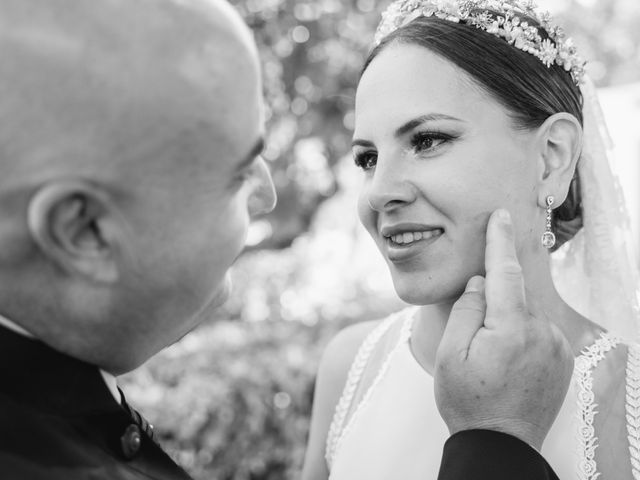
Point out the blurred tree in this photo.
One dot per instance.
(312, 52)
(606, 31)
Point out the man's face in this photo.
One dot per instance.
(203, 181)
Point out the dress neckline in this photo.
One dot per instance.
(601, 338)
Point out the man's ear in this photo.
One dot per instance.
(72, 222)
(560, 141)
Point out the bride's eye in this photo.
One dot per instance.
(365, 160)
(425, 141)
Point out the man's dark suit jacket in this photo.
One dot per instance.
(59, 421)
(484, 455)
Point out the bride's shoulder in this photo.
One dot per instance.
(344, 346)
(342, 349)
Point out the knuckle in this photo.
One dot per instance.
(470, 307)
(513, 307)
(510, 268)
(519, 307)
(471, 302)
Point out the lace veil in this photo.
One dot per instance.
(596, 272)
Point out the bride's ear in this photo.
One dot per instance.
(560, 144)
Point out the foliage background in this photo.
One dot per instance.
(232, 400)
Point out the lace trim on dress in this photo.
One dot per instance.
(633, 408)
(337, 430)
(583, 376)
(353, 378)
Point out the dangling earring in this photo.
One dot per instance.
(548, 238)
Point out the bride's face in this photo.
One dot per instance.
(439, 155)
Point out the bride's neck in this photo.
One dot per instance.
(542, 300)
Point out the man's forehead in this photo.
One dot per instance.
(101, 76)
(47, 40)
(133, 27)
(156, 42)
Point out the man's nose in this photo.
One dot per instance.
(263, 197)
(389, 187)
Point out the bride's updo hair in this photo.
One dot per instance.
(529, 90)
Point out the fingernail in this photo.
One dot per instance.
(503, 215)
(476, 284)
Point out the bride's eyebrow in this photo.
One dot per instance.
(410, 125)
(416, 122)
(361, 143)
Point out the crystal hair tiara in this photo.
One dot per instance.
(504, 19)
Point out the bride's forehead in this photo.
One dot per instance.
(406, 81)
(410, 73)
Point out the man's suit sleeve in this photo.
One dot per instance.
(485, 454)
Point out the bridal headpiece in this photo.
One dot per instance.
(504, 19)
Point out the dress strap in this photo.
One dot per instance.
(341, 423)
(585, 364)
(633, 407)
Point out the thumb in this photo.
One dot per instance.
(467, 317)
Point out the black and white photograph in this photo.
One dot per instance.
(319, 240)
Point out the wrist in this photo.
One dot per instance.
(530, 434)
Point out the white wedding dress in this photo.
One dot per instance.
(387, 426)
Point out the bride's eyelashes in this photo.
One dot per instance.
(426, 142)
(429, 141)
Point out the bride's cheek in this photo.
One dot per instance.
(366, 215)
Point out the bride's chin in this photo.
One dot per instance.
(419, 295)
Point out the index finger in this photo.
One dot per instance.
(504, 283)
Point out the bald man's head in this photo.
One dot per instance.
(73, 70)
(128, 168)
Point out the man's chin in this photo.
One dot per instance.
(209, 312)
(221, 295)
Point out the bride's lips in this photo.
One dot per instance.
(404, 241)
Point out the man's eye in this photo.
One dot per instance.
(365, 160)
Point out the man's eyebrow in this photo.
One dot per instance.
(416, 122)
(256, 150)
(407, 127)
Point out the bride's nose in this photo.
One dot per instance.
(390, 187)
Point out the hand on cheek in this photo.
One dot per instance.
(498, 367)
